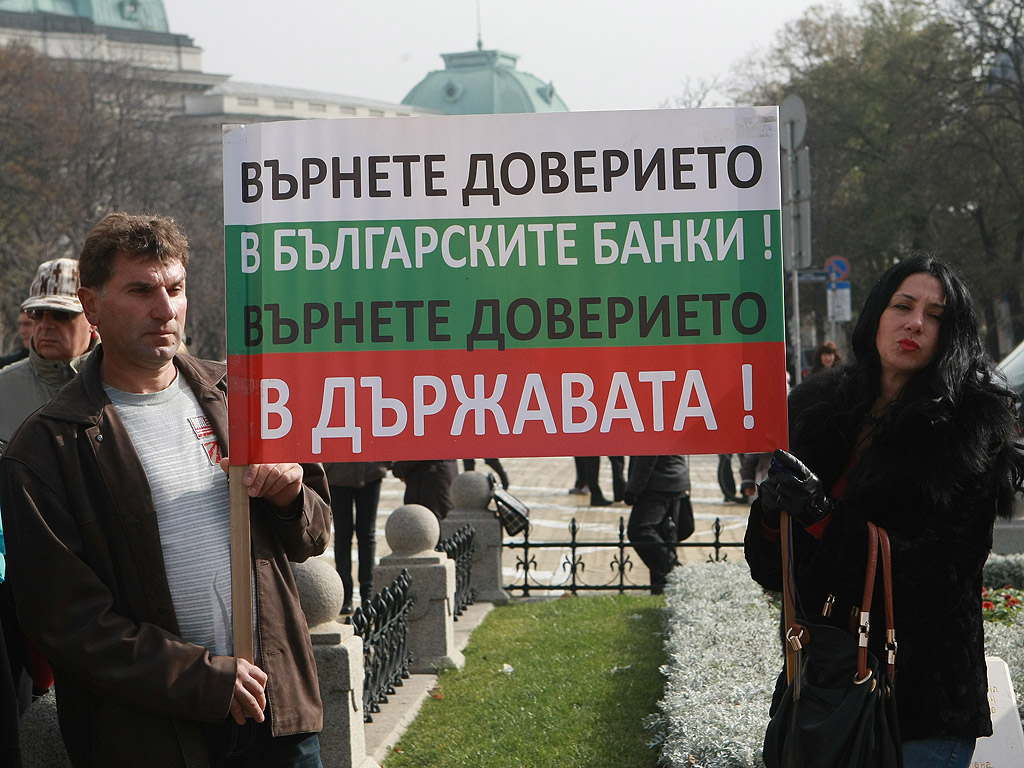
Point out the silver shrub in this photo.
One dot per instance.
(724, 654)
(722, 643)
(1003, 571)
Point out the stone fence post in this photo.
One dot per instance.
(412, 532)
(339, 661)
(471, 494)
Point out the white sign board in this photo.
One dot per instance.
(839, 306)
(560, 284)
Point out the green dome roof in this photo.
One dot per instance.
(483, 83)
(148, 15)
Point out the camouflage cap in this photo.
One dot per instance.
(55, 287)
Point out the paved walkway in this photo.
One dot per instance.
(543, 484)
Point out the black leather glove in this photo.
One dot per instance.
(793, 487)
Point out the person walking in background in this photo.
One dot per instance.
(25, 326)
(579, 486)
(655, 489)
(726, 479)
(116, 515)
(919, 436)
(825, 356)
(355, 496)
(618, 476)
(589, 467)
(428, 483)
(753, 469)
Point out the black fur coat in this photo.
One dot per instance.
(923, 481)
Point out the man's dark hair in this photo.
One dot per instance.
(145, 236)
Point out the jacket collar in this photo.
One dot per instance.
(55, 373)
(84, 399)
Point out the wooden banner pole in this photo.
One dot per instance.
(241, 566)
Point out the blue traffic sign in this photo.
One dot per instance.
(838, 267)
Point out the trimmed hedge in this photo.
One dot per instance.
(1004, 571)
(722, 644)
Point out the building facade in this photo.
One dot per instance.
(136, 32)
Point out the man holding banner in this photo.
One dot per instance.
(117, 512)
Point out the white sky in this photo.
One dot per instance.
(600, 54)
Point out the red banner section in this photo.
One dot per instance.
(438, 404)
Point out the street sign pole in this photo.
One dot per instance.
(794, 239)
(793, 116)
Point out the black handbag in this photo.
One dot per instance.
(838, 706)
(513, 514)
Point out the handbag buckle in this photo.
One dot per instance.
(863, 629)
(869, 676)
(795, 640)
(890, 646)
(826, 609)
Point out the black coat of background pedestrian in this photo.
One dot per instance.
(428, 483)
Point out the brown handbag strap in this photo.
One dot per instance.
(878, 549)
(890, 620)
(864, 623)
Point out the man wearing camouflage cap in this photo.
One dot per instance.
(62, 339)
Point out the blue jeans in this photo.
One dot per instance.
(942, 752)
(231, 745)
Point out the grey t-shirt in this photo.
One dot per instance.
(181, 454)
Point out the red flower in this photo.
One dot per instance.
(988, 605)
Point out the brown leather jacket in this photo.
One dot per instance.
(86, 567)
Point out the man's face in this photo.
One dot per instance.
(139, 313)
(60, 335)
(25, 326)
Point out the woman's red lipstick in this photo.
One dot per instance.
(909, 345)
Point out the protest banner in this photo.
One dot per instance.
(597, 283)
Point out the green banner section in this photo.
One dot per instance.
(629, 280)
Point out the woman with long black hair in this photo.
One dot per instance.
(918, 435)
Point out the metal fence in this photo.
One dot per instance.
(384, 627)
(575, 568)
(459, 547)
(384, 623)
